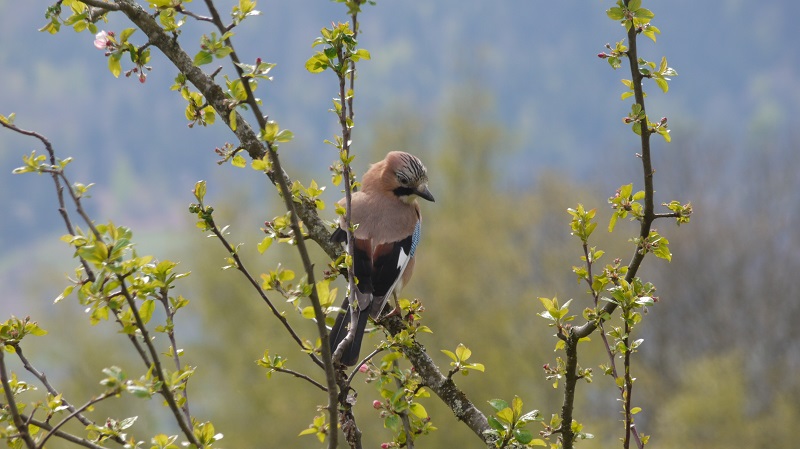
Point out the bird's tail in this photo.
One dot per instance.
(340, 330)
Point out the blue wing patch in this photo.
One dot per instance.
(415, 238)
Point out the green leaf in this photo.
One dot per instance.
(462, 352)
(64, 294)
(114, 65)
(264, 244)
(203, 57)
(612, 222)
(317, 63)
(662, 83)
(418, 410)
(506, 415)
(665, 134)
(237, 90)
(662, 252)
(125, 34)
(498, 404)
(615, 13)
(360, 54)
(232, 119)
(516, 406)
(392, 422)
(239, 161)
(199, 190)
(476, 367)
(524, 436)
(495, 424)
(284, 136)
(146, 310)
(270, 131)
(644, 13)
(308, 313)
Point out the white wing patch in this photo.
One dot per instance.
(402, 261)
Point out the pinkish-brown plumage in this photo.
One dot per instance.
(388, 228)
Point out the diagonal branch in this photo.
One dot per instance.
(75, 413)
(183, 422)
(442, 386)
(305, 211)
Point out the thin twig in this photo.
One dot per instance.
(196, 16)
(50, 389)
(362, 362)
(242, 269)
(163, 297)
(183, 423)
(301, 376)
(77, 412)
(61, 434)
(56, 174)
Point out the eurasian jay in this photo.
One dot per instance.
(386, 238)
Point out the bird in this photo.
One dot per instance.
(388, 230)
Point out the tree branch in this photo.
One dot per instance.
(242, 269)
(216, 98)
(301, 376)
(76, 413)
(184, 423)
(647, 166)
(61, 434)
(50, 389)
(445, 388)
(19, 423)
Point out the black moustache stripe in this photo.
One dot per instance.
(403, 191)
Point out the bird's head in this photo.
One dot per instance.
(403, 175)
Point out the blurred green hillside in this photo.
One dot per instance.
(517, 120)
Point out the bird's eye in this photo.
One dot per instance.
(402, 179)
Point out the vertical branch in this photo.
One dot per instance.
(19, 423)
(649, 214)
(647, 165)
(570, 382)
(626, 395)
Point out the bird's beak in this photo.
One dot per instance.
(424, 193)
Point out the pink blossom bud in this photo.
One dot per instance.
(363, 369)
(376, 404)
(385, 446)
(101, 40)
(602, 55)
